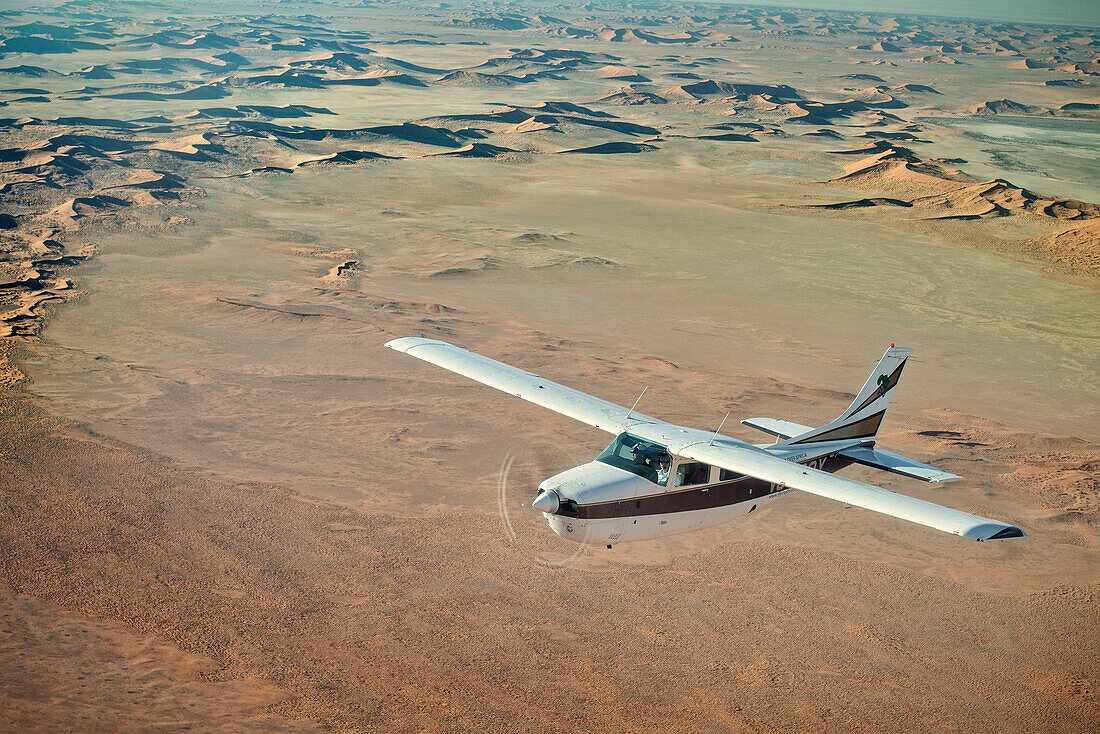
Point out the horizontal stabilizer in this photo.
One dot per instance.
(776, 427)
(896, 463)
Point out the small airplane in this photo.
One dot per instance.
(657, 479)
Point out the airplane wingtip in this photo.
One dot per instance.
(404, 343)
(992, 530)
(407, 343)
(1009, 532)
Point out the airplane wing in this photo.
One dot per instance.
(595, 412)
(736, 456)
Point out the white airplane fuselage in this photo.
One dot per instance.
(599, 504)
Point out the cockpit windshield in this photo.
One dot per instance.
(648, 460)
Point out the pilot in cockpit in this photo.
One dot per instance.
(641, 459)
(664, 463)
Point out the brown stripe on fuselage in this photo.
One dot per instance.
(702, 497)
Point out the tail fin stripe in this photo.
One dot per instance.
(863, 428)
(885, 385)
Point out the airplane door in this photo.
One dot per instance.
(625, 517)
(690, 484)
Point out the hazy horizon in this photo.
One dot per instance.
(1081, 13)
(1077, 13)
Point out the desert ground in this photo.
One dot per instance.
(224, 506)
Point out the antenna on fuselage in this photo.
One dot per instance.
(632, 407)
(711, 443)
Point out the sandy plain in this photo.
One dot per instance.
(226, 507)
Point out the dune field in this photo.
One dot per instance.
(225, 507)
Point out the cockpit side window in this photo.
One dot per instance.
(648, 460)
(691, 473)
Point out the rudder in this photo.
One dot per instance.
(863, 417)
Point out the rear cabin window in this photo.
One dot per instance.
(692, 473)
(637, 456)
(725, 475)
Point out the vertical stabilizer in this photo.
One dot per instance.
(861, 421)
